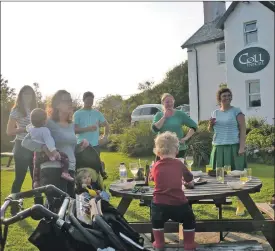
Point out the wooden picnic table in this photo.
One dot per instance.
(211, 190)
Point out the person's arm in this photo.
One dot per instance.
(187, 175)
(48, 140)
(158, 122)
(187, 121)
(12, 128)
(242, 128)
(103, 122)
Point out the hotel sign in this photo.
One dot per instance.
(251, 60)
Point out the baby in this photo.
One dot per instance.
(41, 134)
(90, 189)
(169, 201)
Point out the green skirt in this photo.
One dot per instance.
(222, 155)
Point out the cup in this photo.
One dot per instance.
(227, 169)
(249, 173)
(220, 174)
(243, 176)
(208, 168)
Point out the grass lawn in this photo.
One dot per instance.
(19, 233)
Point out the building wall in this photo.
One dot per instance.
(234, 41)
(211, 75)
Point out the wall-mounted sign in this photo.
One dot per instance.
(251, 60)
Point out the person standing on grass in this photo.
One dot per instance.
(173, 120)
(18, 120)
(228, 124)
(88, 122)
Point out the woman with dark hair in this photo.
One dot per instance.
(60, 124)
(228, 123)
(18, 120)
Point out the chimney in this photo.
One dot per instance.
(213, 9)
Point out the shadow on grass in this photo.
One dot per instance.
(133, 215)
(26, 226)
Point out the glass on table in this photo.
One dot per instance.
(227, 169)
(243, 176)
(249, 173)
(189, 160)
(134, 169)
(208, 168)
(220, 174)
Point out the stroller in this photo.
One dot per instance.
(64, 229)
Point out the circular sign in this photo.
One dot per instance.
(251, 60)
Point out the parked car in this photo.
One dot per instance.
(185, 108)
(145, 113)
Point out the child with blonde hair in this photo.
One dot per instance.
(169, 201)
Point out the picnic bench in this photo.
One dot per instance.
(9, 155)
(266, 209)
(211, 190)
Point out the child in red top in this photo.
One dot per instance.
(169, 201)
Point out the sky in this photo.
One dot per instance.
(103, 47)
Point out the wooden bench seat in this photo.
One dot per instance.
(267, 209)
(9, 155)
(228, 246)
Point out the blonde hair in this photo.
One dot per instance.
(166, 143)
(165, 95)
(80, 175)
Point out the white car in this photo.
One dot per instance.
(185, 108)
(145, 113)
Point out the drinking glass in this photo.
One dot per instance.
(208, 168)
(189, 161)
(134, 168)
(227, 169)
(220, 174)
(243, 176)
(249, 173)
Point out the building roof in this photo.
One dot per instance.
(220, 25)
(207, 33)
(213, 31)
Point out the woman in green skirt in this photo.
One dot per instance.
(228, 123)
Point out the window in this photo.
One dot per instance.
(221, 53)
(250, 32)
(254, 95)
(136, 112)
(154, 110)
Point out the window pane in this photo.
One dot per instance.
(221, 57)
(254, 87)
(250, 26)
(251, 37)
(254, 100)
(146, 111)
(136, 112)
(154, 110)
(222, 47)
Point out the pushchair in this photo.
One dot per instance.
(64, 231)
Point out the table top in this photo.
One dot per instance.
(211, 190)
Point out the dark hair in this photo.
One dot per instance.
(38, 117)
(220, 92)
(88, 94)
(52, 110)
(19, 103)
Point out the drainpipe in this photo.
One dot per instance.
(198, 84)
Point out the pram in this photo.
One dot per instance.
(63, 231)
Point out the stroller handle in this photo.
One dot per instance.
(49, 189)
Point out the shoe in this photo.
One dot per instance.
(189, 243)
(104, 175)
(67, 176)
(240, 208)
(159, 243)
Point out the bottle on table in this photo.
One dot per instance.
(122, 172)
(147, 171)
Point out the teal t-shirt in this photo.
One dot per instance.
(84, 118)
(226, 128)
(175, 123)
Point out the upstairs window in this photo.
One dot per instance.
(221, 53)
(250, 32)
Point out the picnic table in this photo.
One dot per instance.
(211, 190)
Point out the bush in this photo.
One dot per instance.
(137, 141)
(114, 142)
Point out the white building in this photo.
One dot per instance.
(236, 47)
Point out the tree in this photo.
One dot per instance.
(40, 102)
(7, 100)
(147, 85)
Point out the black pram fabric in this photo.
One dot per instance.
(87, 158)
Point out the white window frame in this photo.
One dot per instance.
(219, 52)
(247, 32)
(248, 82)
